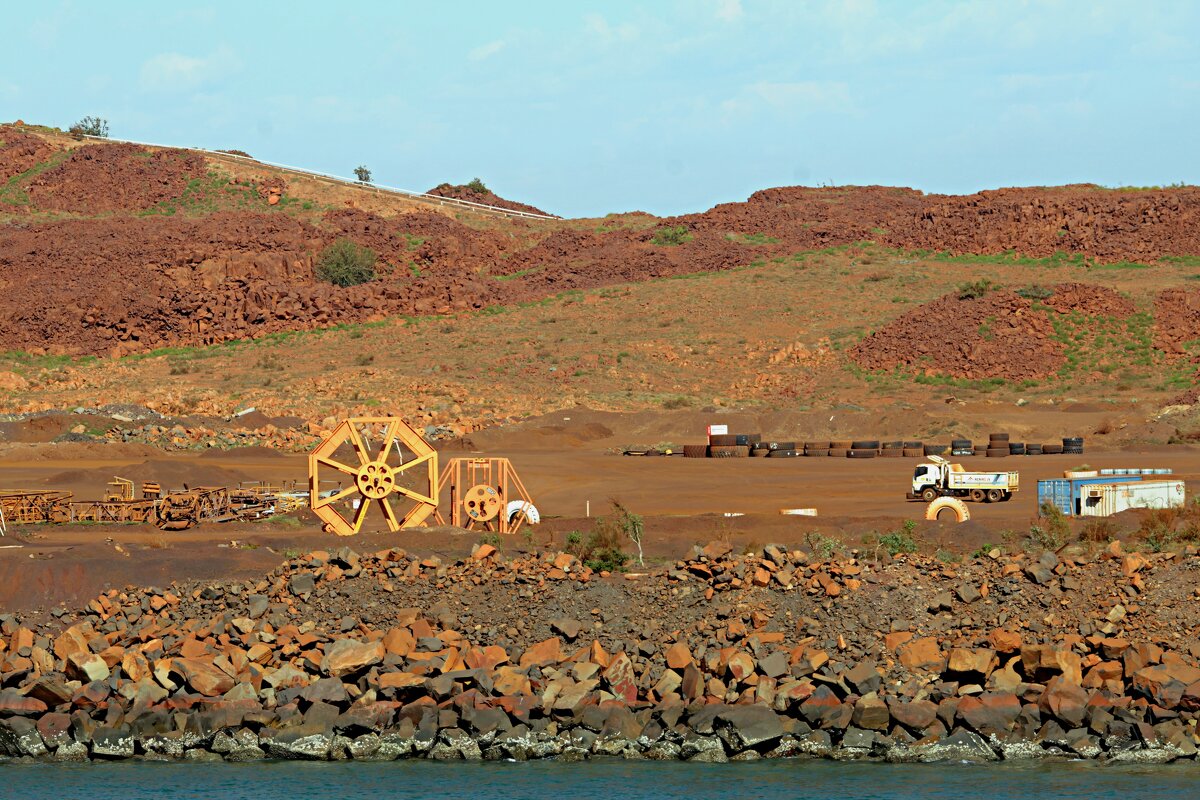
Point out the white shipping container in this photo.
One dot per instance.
(718, 430)
(1106, 499)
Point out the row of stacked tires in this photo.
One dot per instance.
(747, 445)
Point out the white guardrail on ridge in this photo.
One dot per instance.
(422, 196)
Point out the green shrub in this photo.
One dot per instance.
(362, 173)
(974, 289)
(900, 541)
(90, 126)
(345, 263)
(1036, 292)
(671, 236)
(477, 186)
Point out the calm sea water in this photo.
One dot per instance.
(787, 780)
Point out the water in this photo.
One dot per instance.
(610, 780)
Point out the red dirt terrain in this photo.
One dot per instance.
(21, 151)
(486, 197)
(1000, 335)
(114, 177)
(235, 271)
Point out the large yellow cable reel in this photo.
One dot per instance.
(376, 477)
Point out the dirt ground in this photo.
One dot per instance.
(571, 465)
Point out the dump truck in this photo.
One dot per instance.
(939, 478)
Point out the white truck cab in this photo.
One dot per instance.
(939, 478)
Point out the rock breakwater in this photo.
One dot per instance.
(767, 654)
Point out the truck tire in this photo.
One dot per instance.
(976, 495)
(1051, 449)
(1007, 497)
(1016, 448)
(865, 444)
(935, 449)
(891, 452)
(695, 451)
(913, 445)
(723, 440)
(913, 452)
(840, 444)
(728, 451)
(816, 445)
(994, 495)
(814, 453)
(760, 452)
(997, 452)
(998, 437)
(944, 506)
(893, 445)
(837, 452)
(861, 453)
(789, 453)
(752, 438)
(929, 494)
(961, 444)
(1033, 449)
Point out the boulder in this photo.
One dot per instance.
(748, 726)
(1065, 700)
(348, 656)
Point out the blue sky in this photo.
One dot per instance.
(669, 107)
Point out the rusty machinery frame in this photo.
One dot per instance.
(480, 491)
(374, 478)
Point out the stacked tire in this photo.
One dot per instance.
(1073, 445)
(1033, 449)
(914, 449)
(892, 450)
(864, 448)
(1016, 448)
(935, 449)
(816, 449)
(695, 451)
(839, 448)
(1051, 449)
(728, 451)
(997, 445)
(961, 447)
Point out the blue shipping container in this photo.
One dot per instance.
(1065, 495)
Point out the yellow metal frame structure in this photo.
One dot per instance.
(480, 490)
(374, 478)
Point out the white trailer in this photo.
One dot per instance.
(940, 478)
(1106, 499)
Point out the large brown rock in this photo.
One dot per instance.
(620, 679)
(1165, 684)
(542, 654)
(87, 667)
(916, 715)
(991, 713)
(1065, 700)
(977, 663)
(203, 676)
(347, 656)
(923, 655)
(871, 713)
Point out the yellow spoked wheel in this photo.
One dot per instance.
(385, 462)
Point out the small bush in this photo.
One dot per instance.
(362, 173)
(671, 236)
(345, 263)
(974, 289)
(90, 126)
(1054, 534)
(1099, 529)
(673, 403)
(1035, 292)
(901, 541)
(477, 186)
